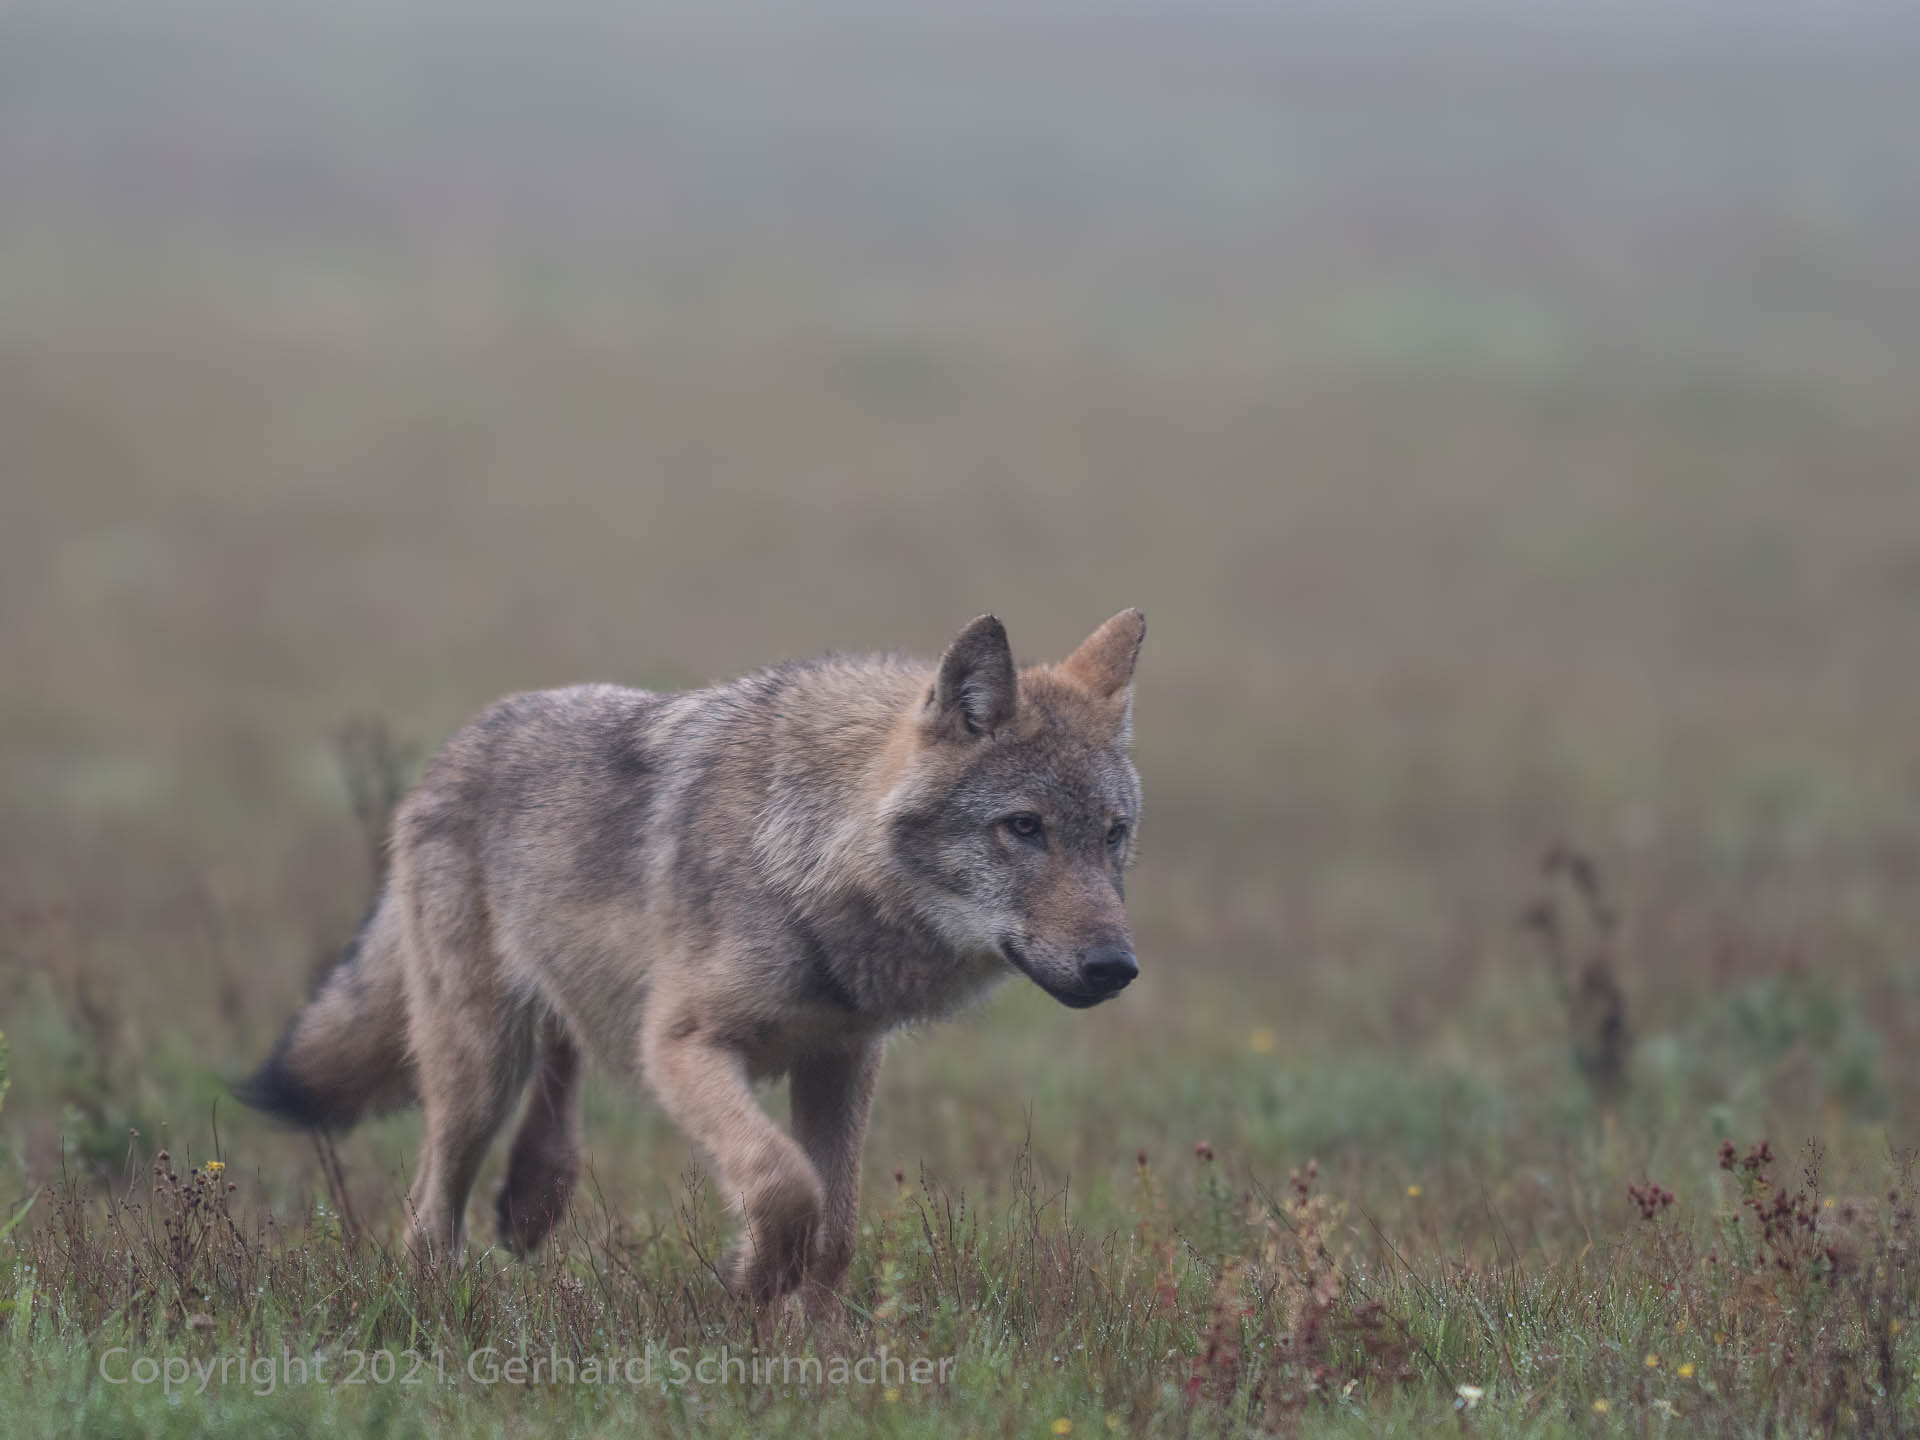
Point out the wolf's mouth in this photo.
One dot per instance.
(1072, 999)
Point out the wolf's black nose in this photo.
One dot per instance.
(1109, 968)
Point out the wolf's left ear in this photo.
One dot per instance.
(977, 690)
(1104, 662)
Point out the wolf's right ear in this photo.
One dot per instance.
(976, 691)
(1104, 662)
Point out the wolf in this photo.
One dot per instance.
(714, 888)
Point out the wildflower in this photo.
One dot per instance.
(1262, 1040)
(1471, 1394)
(1685, 1372)
(214, 1167)
(1063, 1426)
(1113, 1422)
(1893, 1326)
(1651, 1198)
(1828, 1202)
(1203, 1149)
(1680, 1326)
(1653, 1362)
(891, 1395)
(1413, 1192)
(1601, 1406)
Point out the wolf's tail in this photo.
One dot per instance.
(344, 1055)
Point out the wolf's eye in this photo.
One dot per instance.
(1026, 825)
(1116, 834)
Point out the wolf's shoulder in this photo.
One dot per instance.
(826, 683)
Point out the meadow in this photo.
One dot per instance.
(1514, 453)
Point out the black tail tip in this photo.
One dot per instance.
(275, 1090)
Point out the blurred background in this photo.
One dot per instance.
(1504, 412)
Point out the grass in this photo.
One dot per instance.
(1187, 1296)
(1275, 1225)
(1340, 902)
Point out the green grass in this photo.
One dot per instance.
(1185, 1287)
(1086, 1237)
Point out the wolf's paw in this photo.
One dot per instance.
(825, 1314)
(433, 1244)
(530, 1201)
(777, 1243)
(521, 1222)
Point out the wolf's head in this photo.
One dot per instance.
(1016, 819)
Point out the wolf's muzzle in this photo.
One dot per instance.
(1108, 969)
(1099, 974)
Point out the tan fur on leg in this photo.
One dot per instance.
(763, 1174)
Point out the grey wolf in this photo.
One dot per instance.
(708, 889)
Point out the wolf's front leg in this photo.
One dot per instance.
(832, 1095)
(766, 1178)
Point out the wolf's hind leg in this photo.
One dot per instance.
(473, 1060)
(545, 1160)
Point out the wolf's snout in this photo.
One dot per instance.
(1109, 969)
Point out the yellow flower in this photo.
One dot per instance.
(1262, 1040)
(1063, 1426)
(892, 1395)
(1893, 1326)
(1413, 1192)
(1113, 1422)
(1601, 1407)
(1653, 1362)
(214, 1167)
(1685, 1372)
(1719, 1337)
(1680, 1326)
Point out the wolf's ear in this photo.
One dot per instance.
(977, 690)
(1104, 662)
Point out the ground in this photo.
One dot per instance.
(1528, 1036)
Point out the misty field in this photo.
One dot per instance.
(1512, 445)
